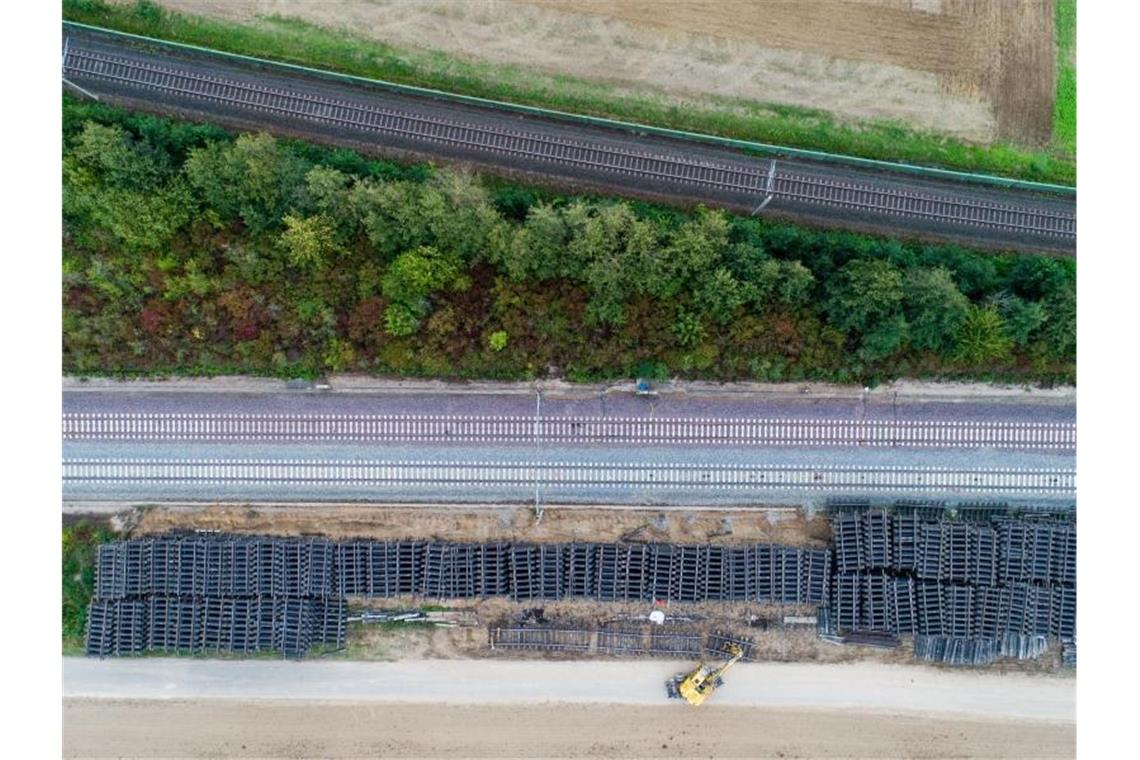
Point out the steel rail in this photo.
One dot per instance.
(154, 426)
(560, 475)
(788, 186)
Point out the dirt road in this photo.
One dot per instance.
(195, 708)
(225, 728)
(862, 686)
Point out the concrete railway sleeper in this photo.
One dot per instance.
(81, 426)
(759, 182)
(558, 475)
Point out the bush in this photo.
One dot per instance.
(497, 340)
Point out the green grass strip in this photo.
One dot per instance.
(1065, 104)
(749, 125)
(80, 545)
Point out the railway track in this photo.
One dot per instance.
(1054, 481)
(362, 428)
(763, 182)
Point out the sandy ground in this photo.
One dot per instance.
(224, 728)
(457, 523)
(976, 69)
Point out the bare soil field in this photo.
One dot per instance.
(295, 729)
(979, 70)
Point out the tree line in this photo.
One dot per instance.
(187, 249)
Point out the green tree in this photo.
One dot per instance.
(975, 275)
(934, 307)
(308, 241)
(719, 296)
(796, 284)
(412, 277)
(1022, 318)
(339, 355)
(982, 339)
(1035, 277)
(687, 329)
(695, 248)
(124, 187)
(327, 192)
(252, 178)
(458, 211)
(606, 244)
(1060, 329)
(538, 249)
(864, 293)
(414, 274)
(117, 159)
(886, 337)
(400, 320)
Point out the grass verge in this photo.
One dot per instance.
(1065, 104)
(80, 544)
(298, 42)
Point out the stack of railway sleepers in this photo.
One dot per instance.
(875, 608)
(191, 593)
(951, 650)
(847, 532)
(995, 575)
(1021, 647)
(903, 607)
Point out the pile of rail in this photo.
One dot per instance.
(219, 592)
(603, 572)
(1005, 581)
(208, 565)
(193, 594)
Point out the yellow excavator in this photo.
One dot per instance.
(696, 686)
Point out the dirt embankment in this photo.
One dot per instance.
(508, 523)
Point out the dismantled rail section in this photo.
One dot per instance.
(176, 79)
(618, 639)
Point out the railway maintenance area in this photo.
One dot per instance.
(967, 585)
(945, 530)
(828, 489)
(258, 94)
